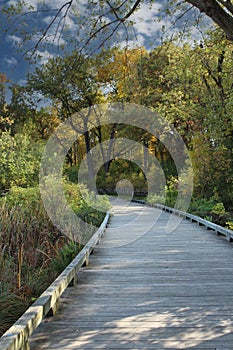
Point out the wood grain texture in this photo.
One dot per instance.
(147, 289)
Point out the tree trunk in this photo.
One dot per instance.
(219, 15)
(110, 147)
(89, 158)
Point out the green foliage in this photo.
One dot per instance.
(218, 209)
(171, 191)
(201, 206)
(86, 204)
(208, 218)
(229, 225)
(72, 174)
(211, 209)
(29, 198)
(168, 195)
(121, 169)
(64, 256)
(156, 199)
(19, 162)
(61, 81)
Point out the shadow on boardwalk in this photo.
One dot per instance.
(147, 289)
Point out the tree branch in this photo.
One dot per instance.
(228, 4)
(68, 4)
(215, 11)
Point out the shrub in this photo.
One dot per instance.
(19, 161)
(201, 206)
(218, 209)
(171, 191)
(72, 174)
(156, 199)
(229, 225)
(64, 256)
(32, 251)
(211, 210)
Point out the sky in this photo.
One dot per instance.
(145, 31)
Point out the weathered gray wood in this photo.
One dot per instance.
(158, 291)
(207, 224)
(16, 338)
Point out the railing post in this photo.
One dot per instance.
(74, 281)
(87, 259)
(52, 312)
(26, 346)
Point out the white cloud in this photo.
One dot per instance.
(12, 2)
(10, 61)
(29, 3)
(147, 27)
(48, 19)
(22, 82)
(53, 4)
(74, 28)
(65, 19)
(146, 19)
(44, 56)
(134, 39)
(138, 41)
(52, 38)
(35, 4)
(14, 40)
(149, 22)
(55, 40)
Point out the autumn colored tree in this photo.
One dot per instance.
(193, 90)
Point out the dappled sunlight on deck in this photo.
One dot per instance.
(147, 290)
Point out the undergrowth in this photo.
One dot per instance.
(32, 250)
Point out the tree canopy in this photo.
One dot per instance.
(89, 26)
(189, 86)
(186, 84)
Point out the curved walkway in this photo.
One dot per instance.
(147, 289)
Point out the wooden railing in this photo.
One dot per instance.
(16, 338)
(219, 230)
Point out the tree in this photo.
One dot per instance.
(191, 87)
(196, 96)
(220, 11)
(118, 72)
(71, 90)
(20, 160)
(6, 119)
(105, 19)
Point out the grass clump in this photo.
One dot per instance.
(33, 252)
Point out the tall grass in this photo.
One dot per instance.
(28, 243)
(32, 251)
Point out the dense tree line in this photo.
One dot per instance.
(190, 86)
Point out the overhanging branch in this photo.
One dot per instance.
(217, 13)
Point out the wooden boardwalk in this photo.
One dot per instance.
(147, 289)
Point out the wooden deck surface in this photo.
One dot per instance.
(147, 289)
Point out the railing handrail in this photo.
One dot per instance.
(194, 218)
(16, 337)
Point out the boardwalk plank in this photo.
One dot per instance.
(152, 290)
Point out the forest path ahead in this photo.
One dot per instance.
(147, 289)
